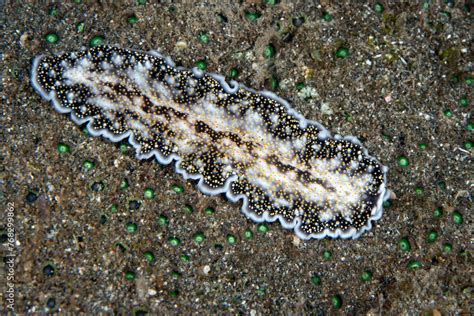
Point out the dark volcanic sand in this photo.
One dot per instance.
(405, 89)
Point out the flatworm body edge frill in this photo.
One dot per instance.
(251, 146)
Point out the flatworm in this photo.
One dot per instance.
(251, 146)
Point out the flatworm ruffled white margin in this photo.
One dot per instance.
(231, 88)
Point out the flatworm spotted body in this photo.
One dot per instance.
(251, 146)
